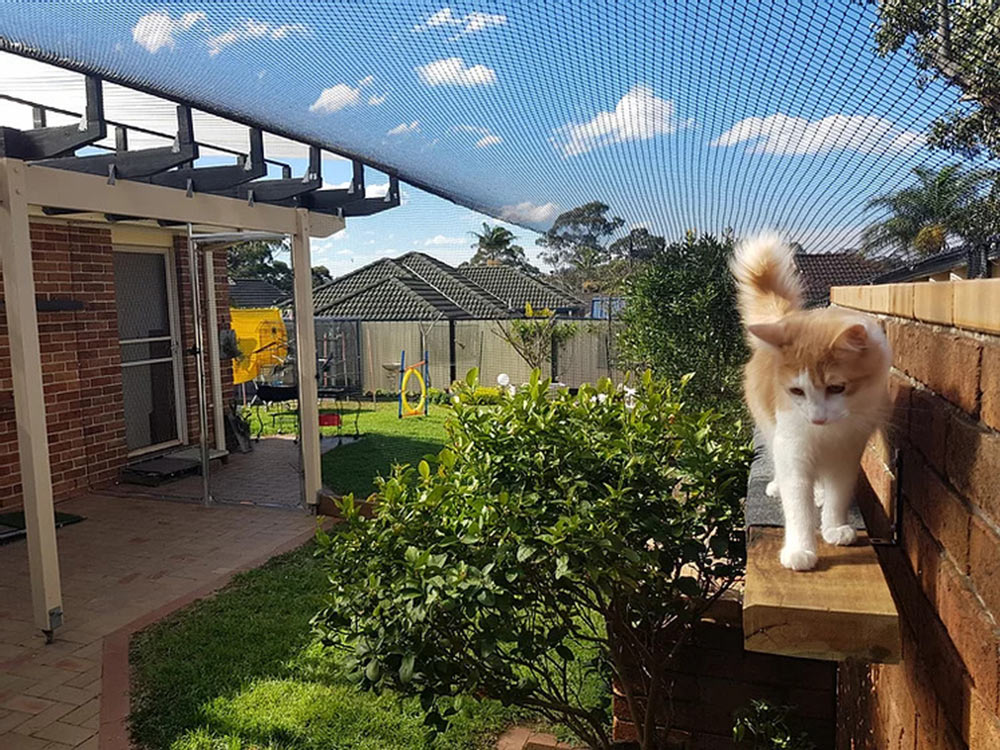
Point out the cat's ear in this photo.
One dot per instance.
(774, 334)
(852, 339)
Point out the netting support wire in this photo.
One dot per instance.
(215, 371)
(198, 350)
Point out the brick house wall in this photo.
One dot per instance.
(713, 677)
(941, 454)
(81, 361)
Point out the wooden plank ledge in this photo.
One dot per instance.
(840, 610)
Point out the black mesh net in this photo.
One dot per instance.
(679, 115)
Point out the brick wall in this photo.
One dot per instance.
(81, 365)
(941, 454)
(713, 677)
(81, 361)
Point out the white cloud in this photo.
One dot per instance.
(159, 29)
(376, 99)
(339, 236)
(529, 212)
(638, 116)
(403, 128)
(250, 28)
(366, 81)
(469, 23)
(156, 30)
(454, 71)
(336, 97)
(781, 134)
(345, 251)
(486, 136)
(440, 239)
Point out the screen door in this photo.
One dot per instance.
(144, 294)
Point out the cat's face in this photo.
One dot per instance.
(825, 365)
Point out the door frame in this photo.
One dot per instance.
(176, 353)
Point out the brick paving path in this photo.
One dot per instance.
(131, 556)
(269, 475)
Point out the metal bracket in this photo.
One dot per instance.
(896, 522)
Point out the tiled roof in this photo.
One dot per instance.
(363, 277)
(820, 271)
(394, 298)
(478, 302)
(253, 293)
(514, 287)
(416, 286)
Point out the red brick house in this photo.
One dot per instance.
(114, 321)
(114, 293)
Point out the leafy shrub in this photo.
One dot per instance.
(480, 395)
(680, 316)
(762, 726)
(555, 537)
(438, 396)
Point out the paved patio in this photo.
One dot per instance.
(131, 557)
(270, 475)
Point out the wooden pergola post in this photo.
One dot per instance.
(305, 358)
(29, 397)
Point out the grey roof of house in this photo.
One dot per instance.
(253, 293)
(472, 297)
(820, 271)
(394, 298)
(515, 287)
(325, 295)
(416, 286)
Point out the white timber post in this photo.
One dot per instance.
(305, 358)
(29, 397)
(214, 362)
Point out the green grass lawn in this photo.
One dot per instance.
(242, 671)
(387, 440)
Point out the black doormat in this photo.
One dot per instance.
(12, 524)
(156, 471)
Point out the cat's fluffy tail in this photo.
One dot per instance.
(767, 281)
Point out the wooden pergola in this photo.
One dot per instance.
(41, 173)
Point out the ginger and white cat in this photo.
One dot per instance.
(817, 386)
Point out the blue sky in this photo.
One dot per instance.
(679, 115)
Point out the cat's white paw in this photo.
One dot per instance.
(798, 559)
(839, 535)
(819, 493)
(772, 488)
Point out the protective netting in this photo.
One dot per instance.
(682, 115)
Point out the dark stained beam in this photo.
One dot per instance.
(217, 179)
(49, 142)
(369, 206)
(126, 164)
(286, 188)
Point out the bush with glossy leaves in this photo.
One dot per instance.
(557, 535)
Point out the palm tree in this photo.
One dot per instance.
(923, 217)
(495, 246)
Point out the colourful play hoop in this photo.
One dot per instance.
(409, 410)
